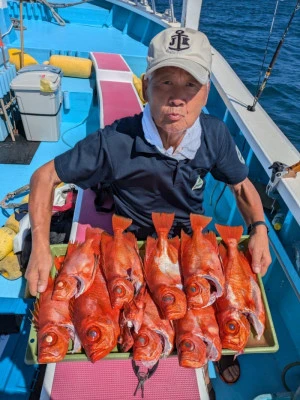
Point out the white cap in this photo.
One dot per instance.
(184, 48)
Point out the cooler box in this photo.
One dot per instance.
(38, 93)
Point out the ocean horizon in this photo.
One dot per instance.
(240, 32)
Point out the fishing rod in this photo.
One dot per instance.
(269, 70)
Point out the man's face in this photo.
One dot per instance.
(175, 98)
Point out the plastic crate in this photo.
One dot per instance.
(267, 344)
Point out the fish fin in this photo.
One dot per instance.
(211, 236)
(93, 233)
(150, 247)
(175, 242)
(58, 262)
(120, 223)
(71, 248)
(230, 232)
(185, 238)
(105, 239)
(199, 221)
(131, 238)
(35, 314)
(222, 252)
(163, 221)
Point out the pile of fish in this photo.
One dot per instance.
(188, 294)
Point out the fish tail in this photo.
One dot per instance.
(163, 221)
(230, 232)
(120, 223)
(199, 221)
(93, 233)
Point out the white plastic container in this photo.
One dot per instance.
(39, 97)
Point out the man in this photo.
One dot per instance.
(155, 161)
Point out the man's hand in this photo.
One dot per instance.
(42, 185)
(37, 272)
(259, 249)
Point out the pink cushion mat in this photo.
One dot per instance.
(119, 100)
(111, 62)
(115, 380)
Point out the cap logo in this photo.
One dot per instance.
(180, 41)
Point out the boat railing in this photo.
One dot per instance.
(150, 6)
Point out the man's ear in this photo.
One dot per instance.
(144, 87)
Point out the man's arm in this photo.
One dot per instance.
(42, 185)
(250, 206)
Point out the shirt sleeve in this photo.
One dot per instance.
(87, 164)
(230, 165)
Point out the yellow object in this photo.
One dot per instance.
(15, 58)
(10, 267)
(12, 223)
(25, 199)
(139, 87)
(75, 67)
(6, 241)
(45, 85)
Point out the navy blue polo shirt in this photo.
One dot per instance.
(144, 180)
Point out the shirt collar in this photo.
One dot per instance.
(188, 146)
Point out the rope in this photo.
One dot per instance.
(56, 16)
(10, 195)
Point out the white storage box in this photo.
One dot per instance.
(38, 92)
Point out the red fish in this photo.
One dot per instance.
(197, 338)
(54, 327)
(161, 266)
(131, 319)
(155, 338)
(122, 264)
(201, 265)
(96, 323)
(241, 303)
(78, 271)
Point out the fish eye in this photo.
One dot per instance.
(93, 334)
(232, 326)
(60, 284)
(187, 345)
(168, 298)
(119, 291)
(50, 338)
(193, 289)
(142, 340)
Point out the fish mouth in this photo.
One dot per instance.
(234, 331)
(121, 291)
(191, 352)
(147, 346)
(172, 302)
(64, 288)
(200, 292)
(98, 339)
(53, 344)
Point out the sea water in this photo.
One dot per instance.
(239, 30)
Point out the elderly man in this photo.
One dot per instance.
(155, 161)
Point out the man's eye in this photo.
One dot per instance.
(167, 83)
(193, 85)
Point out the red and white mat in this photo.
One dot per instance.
(115, 380)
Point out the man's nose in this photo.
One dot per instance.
(177, 97)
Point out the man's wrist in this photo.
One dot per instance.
(254, 225)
